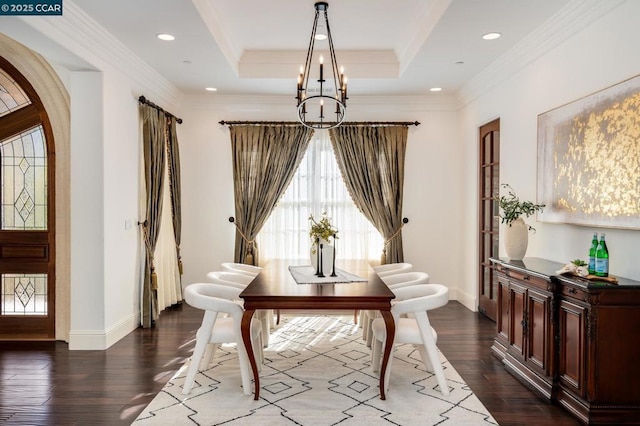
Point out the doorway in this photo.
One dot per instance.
(488, 215)
(27, 211)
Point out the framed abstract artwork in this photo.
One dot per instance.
(589, 159)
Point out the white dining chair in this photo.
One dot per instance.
(404, 279)
(241, 268)
(234, 279)
(401, 279)
(216, 299)
(383, 271)
(413, 301)
(252, 271)
(241, 281)
(392, 268)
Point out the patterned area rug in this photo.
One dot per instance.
(317, 372)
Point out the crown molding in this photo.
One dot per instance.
(83, 36)
(575, 16)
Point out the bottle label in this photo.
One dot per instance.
(602, 266)
(592, 264)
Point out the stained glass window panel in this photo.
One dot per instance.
(24, 294)
(12, 97)
(24, 181)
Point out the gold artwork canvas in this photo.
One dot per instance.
(589, 159)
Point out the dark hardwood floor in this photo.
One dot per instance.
(46, 384)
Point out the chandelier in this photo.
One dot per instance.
(324, 106)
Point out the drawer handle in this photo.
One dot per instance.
(573, 291)
(526, 278)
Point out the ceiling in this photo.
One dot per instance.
(388, 47)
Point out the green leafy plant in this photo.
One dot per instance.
(513, 208)
(322, 228)
(579, 262)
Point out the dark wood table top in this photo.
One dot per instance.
(275, 288)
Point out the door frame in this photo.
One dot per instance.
(56, 101)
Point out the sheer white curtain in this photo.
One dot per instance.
(318, 187)
(166, 256)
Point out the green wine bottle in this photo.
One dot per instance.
(602, 258)
(592, 254)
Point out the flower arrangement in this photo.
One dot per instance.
(575, 267)
(322, 228)
(513, 209)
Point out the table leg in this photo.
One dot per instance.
(245, 327)
(391, 332)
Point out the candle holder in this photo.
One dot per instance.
(318, 256)
(333, 265)
(320, 275)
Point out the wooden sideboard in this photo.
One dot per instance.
(575, 341)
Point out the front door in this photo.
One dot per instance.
(27, 255)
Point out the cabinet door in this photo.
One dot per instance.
(538, 332)
(502, 320)
(571, 323)
(517, 295)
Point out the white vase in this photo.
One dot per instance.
(327, 257)
(516, 239)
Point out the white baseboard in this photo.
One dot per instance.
(102, 339)
(468, 300)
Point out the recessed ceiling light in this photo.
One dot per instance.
(436, 89)
(491, 36)
(165, 37)
(210, 89)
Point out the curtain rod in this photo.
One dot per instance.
(346, 123)
(145, 101)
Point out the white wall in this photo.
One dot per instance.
(601, 55)
(87, 213)
(121, 209)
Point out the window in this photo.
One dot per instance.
(23, 170)
(318, 187)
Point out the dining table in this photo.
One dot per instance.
(276, 288)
